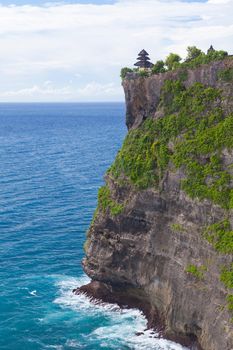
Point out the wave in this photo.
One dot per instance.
(118, 329)
(33, 293)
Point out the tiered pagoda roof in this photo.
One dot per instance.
(143, 60)
(211, 49)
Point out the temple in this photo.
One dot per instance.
(143, 60)
(211, 49)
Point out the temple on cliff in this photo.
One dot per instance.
(211, 49)
(143, 60)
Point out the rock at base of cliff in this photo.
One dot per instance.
(132, 298)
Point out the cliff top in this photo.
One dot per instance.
(143, 94)
(195, 58)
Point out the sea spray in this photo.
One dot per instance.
(124, 329)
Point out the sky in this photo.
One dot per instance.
(73, 50)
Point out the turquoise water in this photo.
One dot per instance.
(52, 161)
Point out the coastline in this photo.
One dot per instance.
(100, 292)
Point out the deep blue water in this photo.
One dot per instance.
(52, 161)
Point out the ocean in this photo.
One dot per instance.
(52, 161)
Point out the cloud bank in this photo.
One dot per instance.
(74, 52)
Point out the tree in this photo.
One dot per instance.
(172, 61)
(193, 52)
(124, 72)
(159, 67)
(217, 55)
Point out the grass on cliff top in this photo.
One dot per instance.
(202, 58)
(190, 136)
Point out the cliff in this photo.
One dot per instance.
(162, 236)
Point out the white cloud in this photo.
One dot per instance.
(88, 44)
(92, 91)
(219, 1)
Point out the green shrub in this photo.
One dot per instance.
(216, 55)
(137, 158)
(203, 58)
(171, 96)
(125, 71)
(177, 227)
(196, 271)
(193, 52)
(226, 74)
(159, 67)
(143, 73)
(220, 236)
(105, 202)
(230, 302)
(172, 61)
(183, 74)
(227, 276)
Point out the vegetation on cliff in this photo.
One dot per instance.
(190, 136)
(227, 278)
(164, 217)
(195, 57)
(197, 272)
(226, 75)
(105, 201)
(220, 236)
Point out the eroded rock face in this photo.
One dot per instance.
(141, 250)
(144, 252)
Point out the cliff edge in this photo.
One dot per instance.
(162, 236)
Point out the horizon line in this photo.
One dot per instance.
(58, 102)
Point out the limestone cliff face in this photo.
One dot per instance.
(149, 248)
(142, 96)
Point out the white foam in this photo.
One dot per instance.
(33, 293)
(122, 325)
(73, 344)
